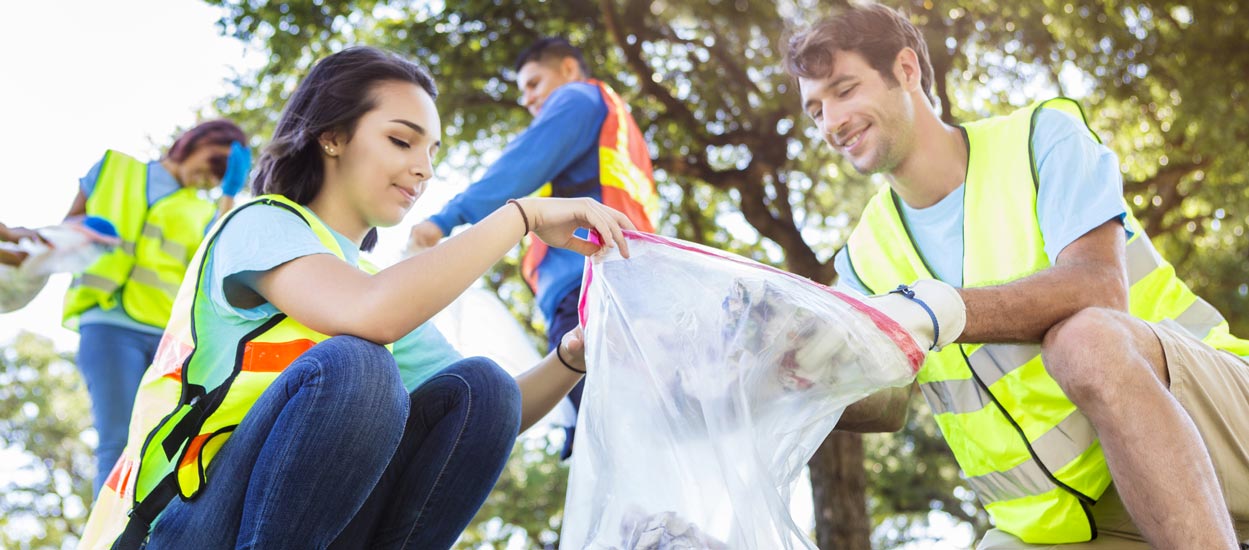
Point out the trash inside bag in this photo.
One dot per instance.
(18, 288)
(712, 380)
(70, 248)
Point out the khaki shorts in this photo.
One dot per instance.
(1213, 386)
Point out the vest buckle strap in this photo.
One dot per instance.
(189, 424)
(143, 514)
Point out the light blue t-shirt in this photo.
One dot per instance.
(1080, 188)
(259, 238)
(160, 184)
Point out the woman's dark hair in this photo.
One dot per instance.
(332, 98)
(213, 132)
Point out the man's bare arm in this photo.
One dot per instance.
(883, 411)
(1089, 272)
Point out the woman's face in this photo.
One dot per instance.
(197, 169)
(383, 168)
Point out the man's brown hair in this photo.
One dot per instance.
(873, 31)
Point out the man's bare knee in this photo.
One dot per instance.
(1090, 354)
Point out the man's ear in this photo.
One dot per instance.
(570, 69)
(906, 69)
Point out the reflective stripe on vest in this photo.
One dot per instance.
(1032, 458)
(120, 196)
(174, 229)
(156, 245)
(170, 248)
(625, 177)
(188, 404)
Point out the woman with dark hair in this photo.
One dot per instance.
(120, 304)
(299, 398)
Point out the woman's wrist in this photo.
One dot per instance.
(559, 355)
(524, 215)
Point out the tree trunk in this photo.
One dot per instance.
(839, 489)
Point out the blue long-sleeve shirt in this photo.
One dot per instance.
(560, 146)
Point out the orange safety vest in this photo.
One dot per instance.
(624, 166)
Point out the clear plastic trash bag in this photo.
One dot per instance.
(712, 380)
(18, 288)
(71, 247)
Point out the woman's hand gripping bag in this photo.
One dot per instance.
(712, 380)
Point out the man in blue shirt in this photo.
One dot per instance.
(580, 128)
(1060, 382)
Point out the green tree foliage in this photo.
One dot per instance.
(912, 477)
(45, 418)
(527, 503)
(1179, 131)
(740, 168)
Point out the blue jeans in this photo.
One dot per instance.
(565, 319)
(112, 360)
(335, 454)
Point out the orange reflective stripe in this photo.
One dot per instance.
(619, 199)
(621, 134)
(615, 128)
(272, 356)
(171, 344)
(192, 452)
(625, 177)
(530, 262)
(120, 474)
(607, 136)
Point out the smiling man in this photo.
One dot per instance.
(1085, 359)
(582, 143)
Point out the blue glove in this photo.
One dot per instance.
(238, 165)
(100, 225)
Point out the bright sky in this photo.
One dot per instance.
(122, 75)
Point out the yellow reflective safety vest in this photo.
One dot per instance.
(142, 275)
(1033, 459)
(625, 176)
(188, 404)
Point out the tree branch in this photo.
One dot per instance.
(633, 58)
(1165, 184)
